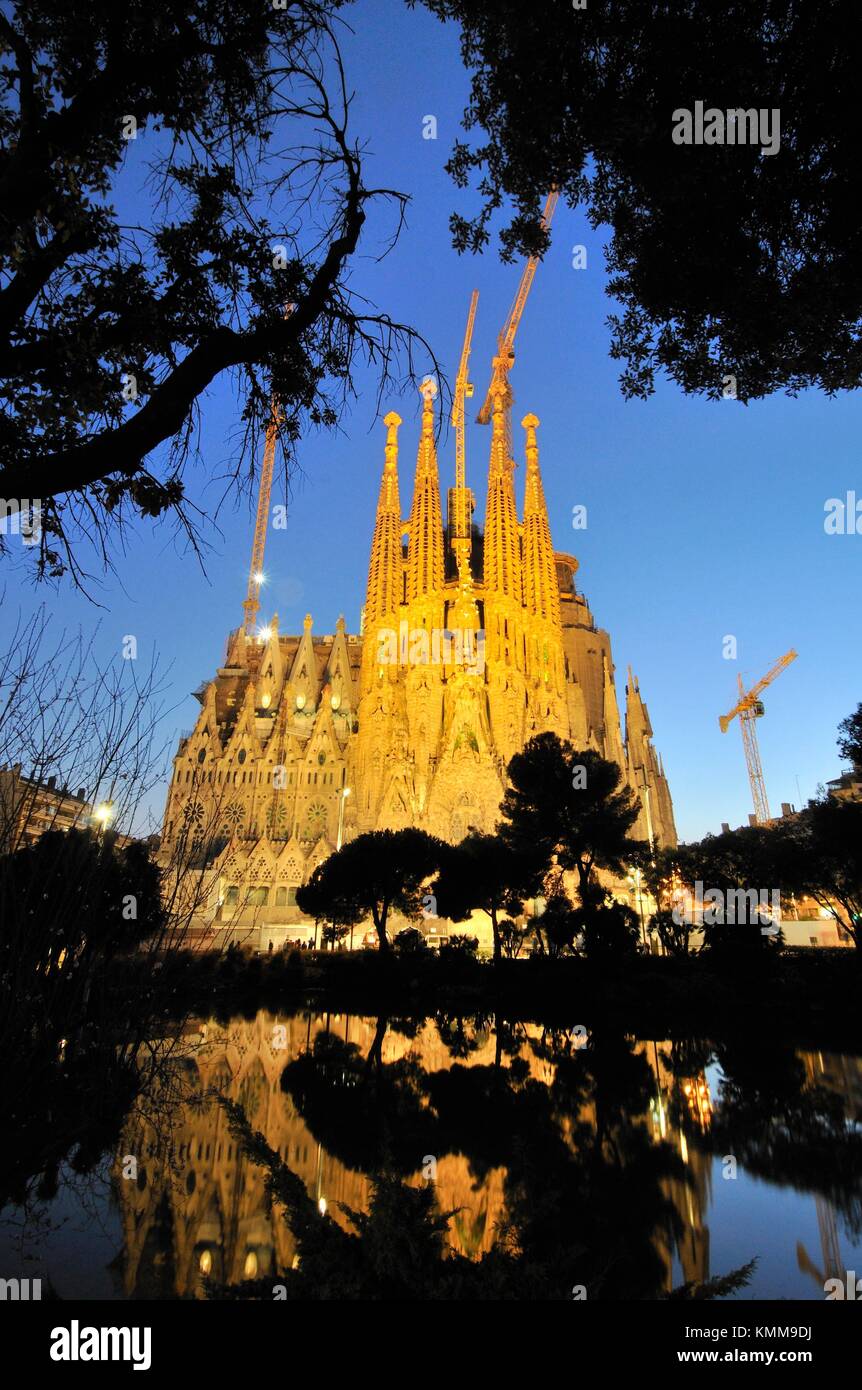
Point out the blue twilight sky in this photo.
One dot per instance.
(704, 519)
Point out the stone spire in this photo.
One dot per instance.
(383, 594)
(645, 773)
(503, 577)
(613, 743)
(541, 590)
(542, 624)
(425, 549)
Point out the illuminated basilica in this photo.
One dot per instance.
(472, 640)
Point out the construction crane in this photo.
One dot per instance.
(749, 707)
(502, 364)
(255, 574)
(251, 604)
(460, 499)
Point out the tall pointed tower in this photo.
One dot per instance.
(383, 594)
(504, 592)
(645, 773)
(425, 613)
(424, 594)
(382, 728)
(544, 634)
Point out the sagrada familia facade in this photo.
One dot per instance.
(472, 640)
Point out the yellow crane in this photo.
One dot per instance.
(502, 364)
(461, 499)
(255, 573)
(251, 604)
(749, 707)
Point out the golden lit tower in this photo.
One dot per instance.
(382, 707)
(425, 545)
(464, 613)
(504, 592)
(383, 593)
(545, 665)
(645, 773)
(425, 625)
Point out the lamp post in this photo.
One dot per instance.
(635, 880)
(342, 797)
(339, 840)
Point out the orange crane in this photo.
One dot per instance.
(251, 604)
(749, 707)
(255, 574)
(502, 364)
(460, 498)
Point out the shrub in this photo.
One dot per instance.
(460, 947)
(410, 942)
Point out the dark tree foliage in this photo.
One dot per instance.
(829, 864)
(70, 1042)
(76, 896)
(724, 260)
(375, 874)
(228, 123)
(609, 929)
(568, 805)
(850, 737)
(68, 904)
(482, 872)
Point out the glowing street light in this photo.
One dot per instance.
(103, 814)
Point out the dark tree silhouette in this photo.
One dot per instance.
(375, 874)
(568, 805)
(829, 864)
(234, 120)
(850, 737)
(483, 872)
(726, 260)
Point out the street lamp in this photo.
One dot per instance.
(342, 795)
(635, 880)
(103, 815)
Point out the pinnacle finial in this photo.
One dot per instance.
(392, 421)
(428, 391)
(307, 624)
(530, 424)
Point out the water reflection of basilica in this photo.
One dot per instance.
(197, 1206)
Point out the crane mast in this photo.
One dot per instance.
(461, 538)
(749, 707)
(251, 604)
(255, 573)
(502, 364)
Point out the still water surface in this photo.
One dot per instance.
(668, 1162)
